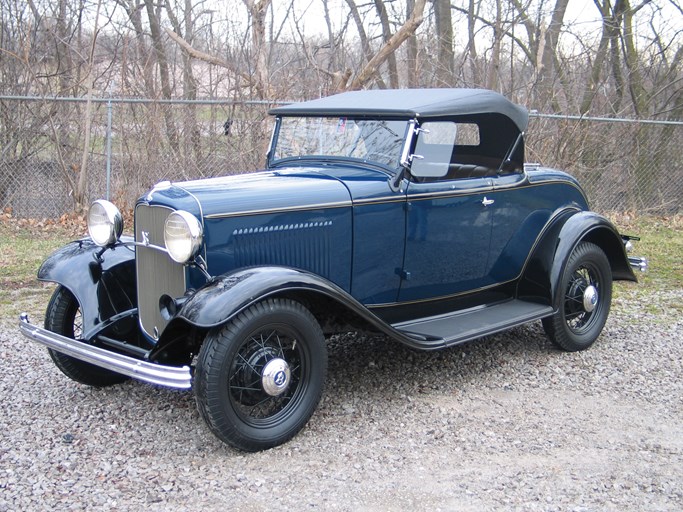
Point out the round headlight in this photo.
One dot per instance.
(105, 223)
(182, 236)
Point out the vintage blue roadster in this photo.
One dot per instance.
(405, 212)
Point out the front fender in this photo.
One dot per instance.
(103, 286)
(226, 296)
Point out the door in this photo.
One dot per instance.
(448, 236)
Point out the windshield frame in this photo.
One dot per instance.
(357, 122)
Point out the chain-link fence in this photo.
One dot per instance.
(622, 164)
(133, 144)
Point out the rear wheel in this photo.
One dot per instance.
(260, 377)
(63, 316)
(586, 288)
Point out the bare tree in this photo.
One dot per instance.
(189, 82)
(631, 57)
(471, 49)
(548, 66)
(138, 66)
(389, 47)
(80, 197)
(153, 14)
(412, 50)
(364, 41)
(445, 71)
(609, 32)
(387, 35)
(258, 10)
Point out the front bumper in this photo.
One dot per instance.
(178, 377)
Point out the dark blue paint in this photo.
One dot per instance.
(448, 239)
(521, 210)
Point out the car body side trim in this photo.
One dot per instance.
(320, 206)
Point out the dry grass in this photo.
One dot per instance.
(24, 244)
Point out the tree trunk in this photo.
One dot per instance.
(549, 57)
(189, 82)
(471, 49)
(365, 43)
(164, 76)
(141, 49)
(403, 33)
(635, 80)
(386, 32)
(80, 196)
(591, 88)
(330, 36)
(494, 66)
(445, 71)
(257, 14)
(411, 50)
(615, 54)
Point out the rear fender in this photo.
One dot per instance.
(567, 229)
(103, 281)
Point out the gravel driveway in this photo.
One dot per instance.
(504, 423)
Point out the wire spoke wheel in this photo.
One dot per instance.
(254, 403)
(586, 287)
(576, 314)
(259, 377)
(64, 317)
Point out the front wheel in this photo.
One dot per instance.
(586, 288)
(63, 316)
(259, 378)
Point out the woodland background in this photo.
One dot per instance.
(146, 90)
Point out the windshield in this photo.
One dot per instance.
(379, 141)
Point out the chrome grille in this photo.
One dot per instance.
(157, 273)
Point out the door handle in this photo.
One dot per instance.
(487, 202)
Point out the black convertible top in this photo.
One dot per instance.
(409, 103)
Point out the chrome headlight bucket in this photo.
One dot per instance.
(183, 236)
(105, 223)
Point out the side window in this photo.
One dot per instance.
(433, 150)
(449, 150)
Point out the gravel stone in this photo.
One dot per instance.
(504, 423)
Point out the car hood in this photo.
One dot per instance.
(252, 193)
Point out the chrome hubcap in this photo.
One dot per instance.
(590, 298)
(276, 377)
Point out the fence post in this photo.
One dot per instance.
(109, 108)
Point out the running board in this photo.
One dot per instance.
(459, 327)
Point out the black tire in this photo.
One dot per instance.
(232, 370)
(63, 316)
(576, 326)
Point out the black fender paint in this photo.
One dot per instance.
(566, 230)
(103, 281)
(224, 297)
